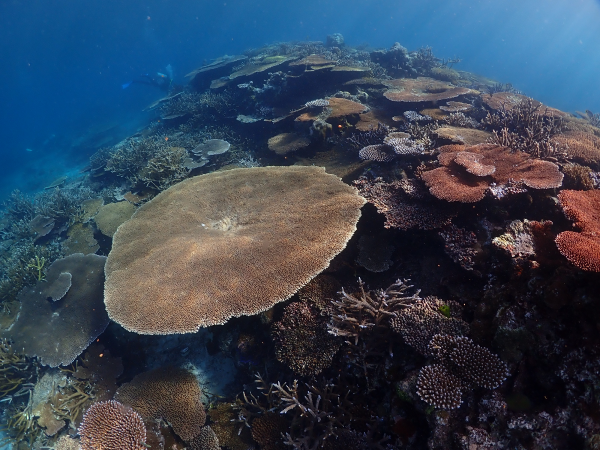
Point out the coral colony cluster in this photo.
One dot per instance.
(313, 246)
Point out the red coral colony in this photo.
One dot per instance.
(460, 311)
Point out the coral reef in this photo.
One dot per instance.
(404, 204)
(525, 127)
(459, 245)
(421, 89)
(264, 259)
(364, 314)
(427, 317)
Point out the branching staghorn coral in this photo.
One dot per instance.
(199, 105)
(19, 268)
(373, 136)
(356, 316)
(17, 380)
(502, 87)
(21, 426)
(15, 370)
(526, 127)
(62, 204)
(19, 206)
(151, 162)
(165, 168)
(70, 402)
(422, 133)
(315, 412)
(364, 321)
(459, 119)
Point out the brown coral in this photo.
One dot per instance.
(205, 440)
(110, 216)
(170, 393)
(285, 143)
(467, 172)
(581, 248)
(475, 365)
(472, 163)
(112, 426)
(301, 340)
(456, 107)
(313, 61)
(437, 386)
(424, 319)
(451, 184)
(583, 146)
(422, 89)
(404, 204)
(377, 152)
(341, 107)
(268, 429)
(226, 244)
(231, 435)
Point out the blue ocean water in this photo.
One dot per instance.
(64, 62)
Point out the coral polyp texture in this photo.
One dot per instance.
(169, 393)
(301, 340)
(377, 152)
(205, 440)
(404, 204)
(468, 172)
(112, 426)
(437, 386)
(424, 319)
(582, 248)
(460, 366)
(421, 89)
(226, 244)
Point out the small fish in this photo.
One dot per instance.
(28, 150)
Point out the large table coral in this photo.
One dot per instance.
(226, 244)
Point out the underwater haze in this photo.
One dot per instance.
(304, 225)
(64, 62)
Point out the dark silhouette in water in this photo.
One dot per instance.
(160, 80)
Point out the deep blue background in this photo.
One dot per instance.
(63, 61)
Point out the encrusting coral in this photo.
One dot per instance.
(239, 242)
(58, 331)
